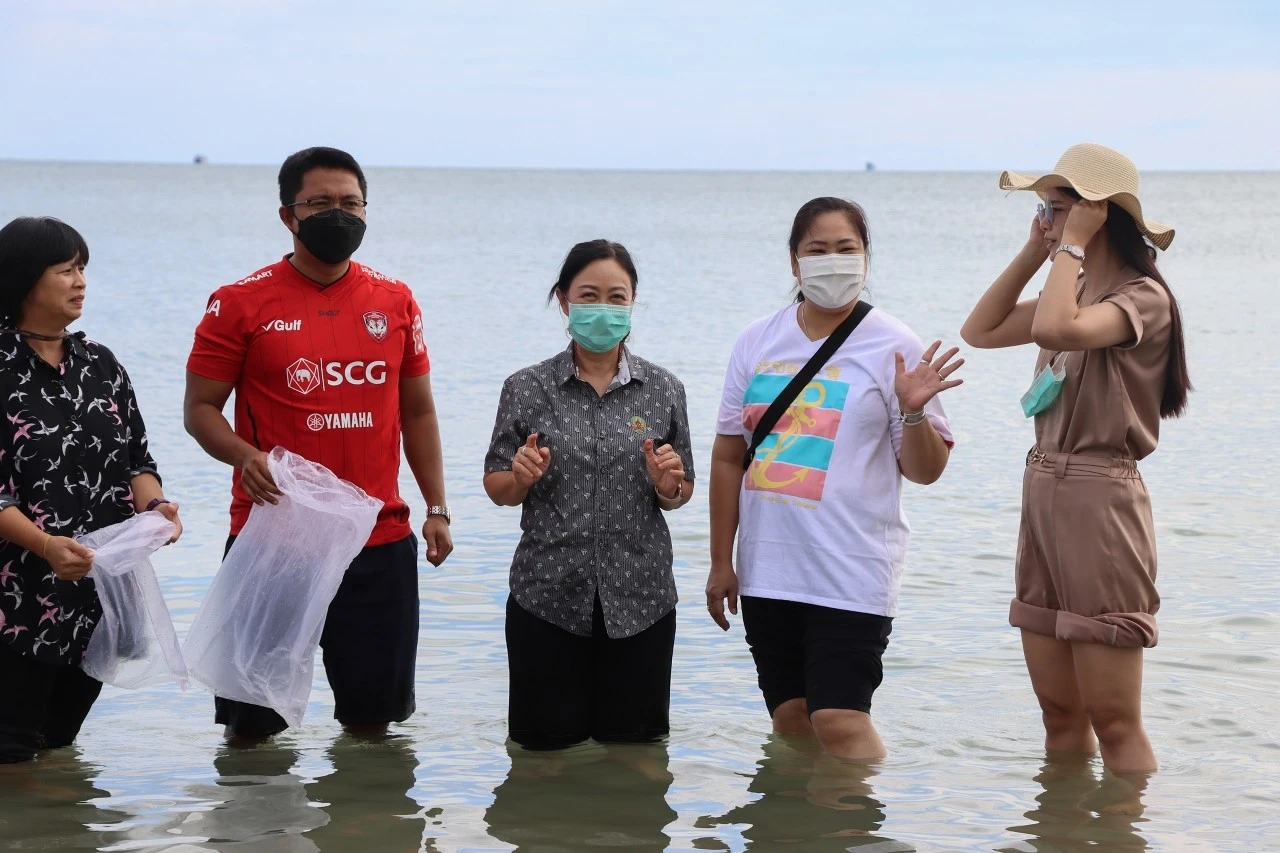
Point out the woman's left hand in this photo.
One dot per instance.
(665, 469)
(1083, 221)
(930, 377)
(170, 511)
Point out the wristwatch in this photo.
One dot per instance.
(1074, 251)
(442, 511)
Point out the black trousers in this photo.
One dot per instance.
(566, 688)
(41, 706)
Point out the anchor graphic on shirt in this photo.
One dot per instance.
(800, 418)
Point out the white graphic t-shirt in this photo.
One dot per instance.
(820, 515)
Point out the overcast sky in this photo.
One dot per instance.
(788, 84)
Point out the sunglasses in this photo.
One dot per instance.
(1044, 212)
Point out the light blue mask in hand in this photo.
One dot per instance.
(598, 328)
(1044, 389)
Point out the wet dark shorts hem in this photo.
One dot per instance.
(831, 658)
(369, 643)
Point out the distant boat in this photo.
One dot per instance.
(871, 167)
(198, 159)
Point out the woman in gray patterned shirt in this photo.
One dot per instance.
(593, 444)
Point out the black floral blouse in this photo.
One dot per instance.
(71, 442)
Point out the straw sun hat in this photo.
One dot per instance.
(1096, 173)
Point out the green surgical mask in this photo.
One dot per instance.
(598, 328)
(1044, 389)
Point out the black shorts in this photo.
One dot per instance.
(830, 658)
(41, 706)
(566, 688)
(370, 644)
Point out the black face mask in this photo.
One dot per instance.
(332, 236)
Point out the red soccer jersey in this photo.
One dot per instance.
(317, 371)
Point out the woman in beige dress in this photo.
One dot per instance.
(1111, 366)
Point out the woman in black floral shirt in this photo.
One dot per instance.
(73, 459)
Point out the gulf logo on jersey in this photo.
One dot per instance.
(305, 375)
(794, 458)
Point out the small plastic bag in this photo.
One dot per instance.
(255, 637)
(134, 643)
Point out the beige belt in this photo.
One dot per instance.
(1062, 464)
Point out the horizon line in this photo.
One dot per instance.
(726, 170)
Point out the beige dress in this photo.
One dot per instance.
(1086, 564)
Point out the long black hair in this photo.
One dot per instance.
(29, 245)
(1126, 238)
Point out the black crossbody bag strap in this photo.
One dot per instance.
(798, 382)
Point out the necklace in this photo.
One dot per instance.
(800, 314)
(36, 335)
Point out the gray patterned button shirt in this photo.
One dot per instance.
(592, 525)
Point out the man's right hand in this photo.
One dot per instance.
(255, 479)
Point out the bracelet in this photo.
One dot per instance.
(44, 549)
(155, 502)
(679, 496)
(911, 418)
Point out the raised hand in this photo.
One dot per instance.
(531, 462)
(1083, 221)
(927, 379)
(665, 469)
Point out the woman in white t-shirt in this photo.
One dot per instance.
(822, 539)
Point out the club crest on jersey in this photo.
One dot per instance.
(376, 324)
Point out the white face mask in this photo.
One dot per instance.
(832, 281)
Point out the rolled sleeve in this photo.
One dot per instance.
(1146, 304)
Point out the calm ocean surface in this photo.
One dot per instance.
(966, 769)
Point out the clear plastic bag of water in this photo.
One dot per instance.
(255, 637)
(134, 644)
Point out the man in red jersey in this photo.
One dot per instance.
(327, 359)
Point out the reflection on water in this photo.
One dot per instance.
(584, 798)
(259, 801)
(1077, 811)
(366, 798)
(47, 804)
(809, 801)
